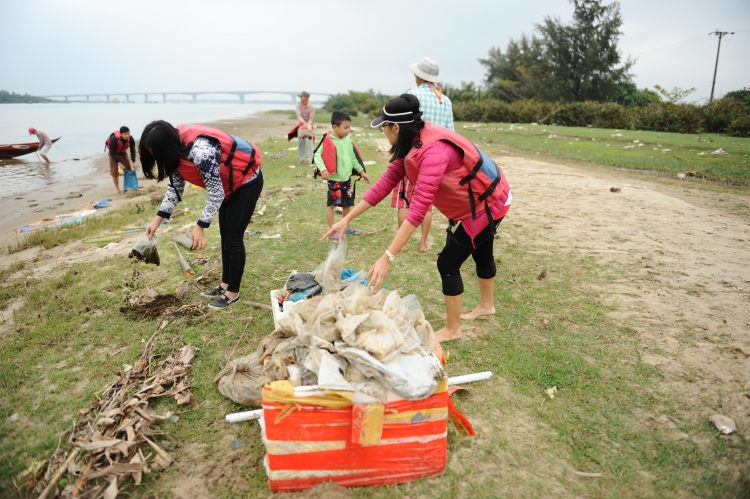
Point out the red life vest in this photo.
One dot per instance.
(240, 159)
(460, 191)
(330, 161)
(122, 148)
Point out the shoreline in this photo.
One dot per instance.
(72, 195)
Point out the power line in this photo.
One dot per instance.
(683, 43)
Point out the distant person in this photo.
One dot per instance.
(228, 167)
(306, 128)
(336, 160)
(44, 143)
(118, 144)
(437, 109)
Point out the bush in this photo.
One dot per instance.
(341, 102)
(740, 126)
(742, 95)
(726, 115)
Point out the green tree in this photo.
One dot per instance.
(575, 61)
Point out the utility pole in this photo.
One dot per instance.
(720, 34)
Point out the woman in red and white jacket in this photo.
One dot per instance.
(462, 182)
(228, 167)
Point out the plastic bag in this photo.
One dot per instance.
(300, 281)
(146, 251)
(238, 381)
(328, 273)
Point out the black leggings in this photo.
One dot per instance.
(457, 249)
(234, 216)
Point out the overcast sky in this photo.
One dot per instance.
(78, 46)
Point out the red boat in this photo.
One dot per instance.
(8, 151)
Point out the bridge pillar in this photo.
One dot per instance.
(145, 96)
(164, 96)
(242, 98)
(294, 99)
(87, 98)
(195, 98)
(127, 97)
(107, 97)
(66, 98)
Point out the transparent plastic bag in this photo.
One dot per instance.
(146, 251)
(328, 273)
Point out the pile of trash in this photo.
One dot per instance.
(345, 339)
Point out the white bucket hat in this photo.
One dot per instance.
(428, 69)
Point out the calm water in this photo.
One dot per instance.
(84, 128)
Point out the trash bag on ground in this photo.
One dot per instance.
(300, 281)
(238, 381)
(146, 251)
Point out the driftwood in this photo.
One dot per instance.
(116, 440)
(257, 305)
(187, 270)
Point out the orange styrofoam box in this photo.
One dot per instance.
(310, 440)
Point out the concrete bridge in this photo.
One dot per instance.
(240, 94)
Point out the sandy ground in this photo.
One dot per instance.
(690, 301)
(687, 291)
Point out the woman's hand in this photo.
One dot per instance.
(339, 227)
(198, 239)
(378, 273)
(151, 228)
(366, 177)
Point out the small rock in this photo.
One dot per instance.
(14, 417)
(615, 189)
(681, 176)
(542, 275)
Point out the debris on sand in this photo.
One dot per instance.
(115, 443)
(615, 189)
(724, 424)
(542, 274)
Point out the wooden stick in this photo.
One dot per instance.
(257, 305)
(58, 474)
(375, 231)
(187, 270)
(238, 341)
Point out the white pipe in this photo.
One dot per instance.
(469, 378)
(244, 416)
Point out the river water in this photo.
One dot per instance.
(84, 127)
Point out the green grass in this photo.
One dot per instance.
(69, 340)
(668, 153)
(322, 116)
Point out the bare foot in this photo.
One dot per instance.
(446, 334)
(404, 248)
(480, 311)
(423, 248)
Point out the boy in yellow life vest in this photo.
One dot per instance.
(336, 159)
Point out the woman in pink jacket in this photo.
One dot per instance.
(462, 182)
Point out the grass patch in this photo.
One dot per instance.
(668, 153)
(70, 338)
(322, 116)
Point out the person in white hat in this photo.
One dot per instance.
(436, 108)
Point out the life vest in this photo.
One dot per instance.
(121, 148)
(460, 191)
(330, 161)
(240, 159)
